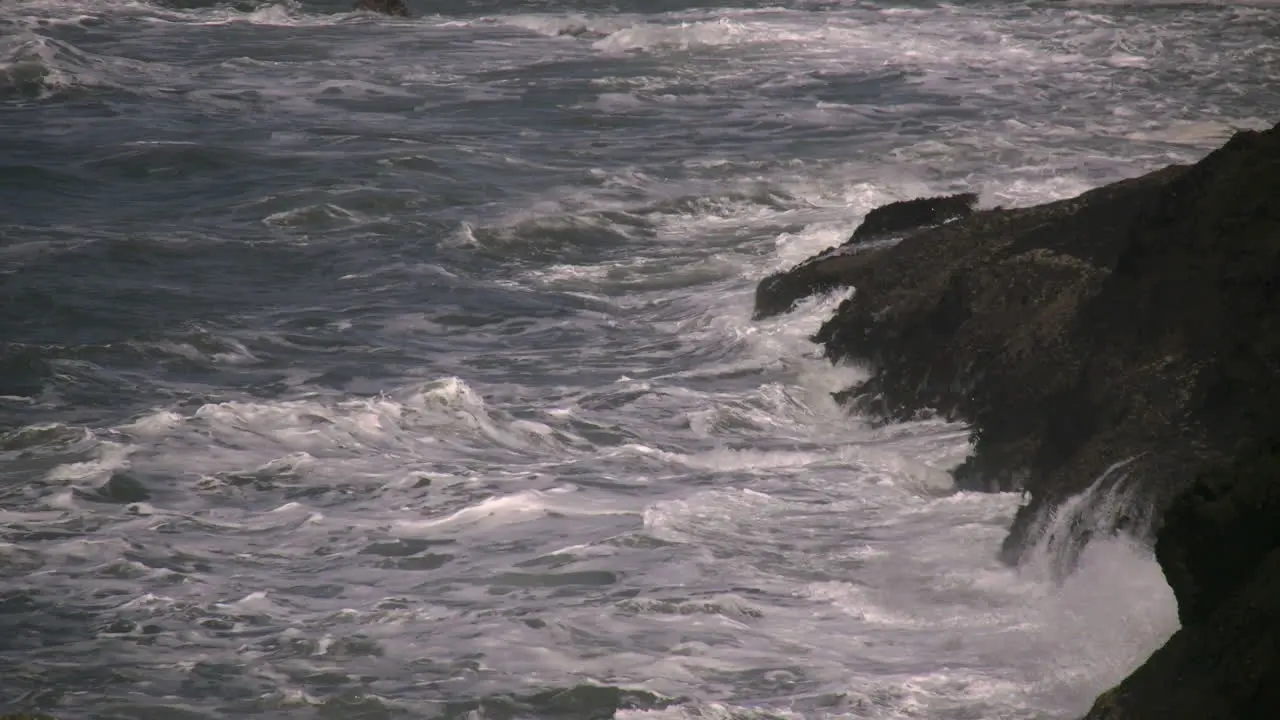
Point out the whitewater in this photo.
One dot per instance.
(367, 367)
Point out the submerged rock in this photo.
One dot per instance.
(1136, 326)
(386, 7)
(121, 488)
(579, 31)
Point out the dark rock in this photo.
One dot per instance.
(906, 215)
(780, 292)
(120, 627)
(579, 31)
(1220, 550)
(386, 7)
(1136, 320)
(1136, 325)
(1237, 507)
(121, 488)
(827, 271)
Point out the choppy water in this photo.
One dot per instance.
(357, 367)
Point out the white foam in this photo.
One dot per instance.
(287, 13)
(109, 456)
(568, 26)
(855, 601)
(319, 427)
(683, 36)
(505, 510)
(917, 580)
(1199, 134)
(494, 511)
(324, 214)
(34, 64)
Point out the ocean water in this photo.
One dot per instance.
(359, 367)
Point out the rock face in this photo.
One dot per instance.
(911, 214)
(1130, 334)
(386, 7)
(1220, 550)
(780, 292)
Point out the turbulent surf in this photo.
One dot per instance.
(367, 366)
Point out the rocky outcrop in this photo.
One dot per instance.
(780, 292)
(1134, 322)
(904, 215)
(1130, 334)
(397, 8)
(999, 320)
(1220, 551)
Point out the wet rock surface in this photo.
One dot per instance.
(780, 292)
(1131, 334)
(911, 214)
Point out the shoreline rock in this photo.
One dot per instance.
(912, 214)
(1220, 551)
(780, 292)
(1128, 335)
